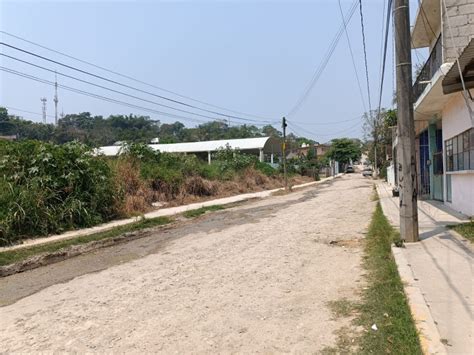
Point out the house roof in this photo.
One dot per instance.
(268, 144)
(452, 80)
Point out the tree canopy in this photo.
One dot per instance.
(344, 150)
(99, 131)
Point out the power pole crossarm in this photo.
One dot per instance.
(406, 125)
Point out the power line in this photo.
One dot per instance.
(126, 85)
(326, 123)
(100, 97)
(106, 88)
(320, 69)
(352, 57)
(384, 58)
(323, 134)
(365, 52)
(129, 77)
(25, 111)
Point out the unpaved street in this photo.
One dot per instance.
(254, 278)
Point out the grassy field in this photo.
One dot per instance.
(14, 256)
(465, 229)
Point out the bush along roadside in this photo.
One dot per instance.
(49, 189)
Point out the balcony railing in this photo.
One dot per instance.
(429, 69)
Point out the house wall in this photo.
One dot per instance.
(461, 19)
(456, 119)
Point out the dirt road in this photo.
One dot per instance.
(254, 278)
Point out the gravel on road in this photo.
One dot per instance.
(254, 278)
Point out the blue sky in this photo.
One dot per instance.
(250, 56)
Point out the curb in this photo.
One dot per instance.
(428, 334)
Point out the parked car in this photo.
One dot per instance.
(349, 169)
(367, 172)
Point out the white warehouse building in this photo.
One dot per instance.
(266, 148)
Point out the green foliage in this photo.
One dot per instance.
(230, 161)
(465, 229)
(200, 211)
(47, 188)
(343, 150)
(100, 131)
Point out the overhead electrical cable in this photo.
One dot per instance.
(326, 123)
(131, 78)
(128, 86)
(25, 111)
(384, 57)
(323, 134)
(100, 97)
(352, 57)
(322, 65)
(365, 53)
(106, 88)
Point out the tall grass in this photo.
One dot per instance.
(46, 188)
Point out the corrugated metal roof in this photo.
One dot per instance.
(452, 80)
(268, 144)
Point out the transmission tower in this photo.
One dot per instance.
(56, 100)
(43, 100)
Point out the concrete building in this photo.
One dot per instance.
(443, 106)
(265, 148)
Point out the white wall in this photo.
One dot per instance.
(463, 193)
(456, 117)
(455, 120)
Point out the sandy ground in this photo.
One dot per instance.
(255, 278)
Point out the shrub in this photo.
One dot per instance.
(48, 188)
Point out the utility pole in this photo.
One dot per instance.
(56, 100)
(43, 100)
(406, 124)
(283, 125)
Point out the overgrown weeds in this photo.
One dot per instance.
(200, 211)
(382, 322)
(47, 188)
(465, 229)
(384, 302)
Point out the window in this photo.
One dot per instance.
(460, 151)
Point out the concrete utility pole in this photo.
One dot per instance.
(406, 124)
(283, 125)
(43, 100)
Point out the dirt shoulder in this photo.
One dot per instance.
(256, 277)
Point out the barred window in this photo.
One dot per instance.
(460, 151)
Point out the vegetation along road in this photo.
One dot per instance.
(263, 276)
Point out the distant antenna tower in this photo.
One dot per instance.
(62, 113)
(56, 100)
(43, 100)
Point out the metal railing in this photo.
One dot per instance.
(429, 69)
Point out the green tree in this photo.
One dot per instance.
(343, 150)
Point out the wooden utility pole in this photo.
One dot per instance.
(283, 125)
(406, 125)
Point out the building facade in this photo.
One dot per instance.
(443, 105)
